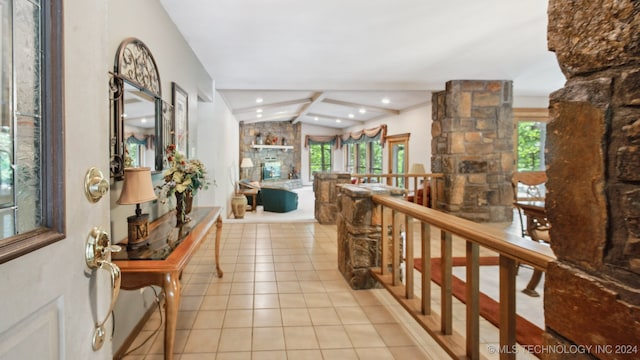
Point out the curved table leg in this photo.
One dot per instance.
(172, 302)
(218, 233)
(531, 286)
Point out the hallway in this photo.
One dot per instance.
(282, 297)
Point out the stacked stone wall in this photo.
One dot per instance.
(359, 232)
(473, 147)
(592, 293)
(326, 195)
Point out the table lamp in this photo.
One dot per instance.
(417, 169)
(245, 165)
(136, 189)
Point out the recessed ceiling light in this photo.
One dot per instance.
(362, 110)
(258, 110)
(315, 118)
(259, 100)
(143, 120)
(386, 100)
(338, 120)
(259, 116)
(351, 116)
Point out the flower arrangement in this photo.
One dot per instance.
(183, 175)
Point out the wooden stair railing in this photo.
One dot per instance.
(399, 214)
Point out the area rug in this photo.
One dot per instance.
(526, 332)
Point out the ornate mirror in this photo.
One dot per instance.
(139, 122)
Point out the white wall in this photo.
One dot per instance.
(218, 147)
(176, 62)
(531, 102)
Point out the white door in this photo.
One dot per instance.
(49, 300)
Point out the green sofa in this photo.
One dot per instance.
(278, 200)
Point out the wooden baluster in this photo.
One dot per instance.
(395, 247)
(446, 324)
(473, 301)
(384, 250)
(408, 263)
(507, 307)
(426, 268)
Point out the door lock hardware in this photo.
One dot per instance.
(98, 256)
(95, 185)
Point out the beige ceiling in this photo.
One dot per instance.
(319, 61)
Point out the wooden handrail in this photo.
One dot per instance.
(400, 215)
(411, 183)
(512, 246)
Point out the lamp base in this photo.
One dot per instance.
(138, 230)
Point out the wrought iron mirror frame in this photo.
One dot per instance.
(135, 65)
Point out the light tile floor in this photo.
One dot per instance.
(282, 297)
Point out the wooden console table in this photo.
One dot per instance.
(161, 260)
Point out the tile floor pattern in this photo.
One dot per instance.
(282, 297)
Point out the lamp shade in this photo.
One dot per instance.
(137, 187)
(246, 163)
(417, 169)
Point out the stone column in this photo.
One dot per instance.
(326, 194)
(473, 147)
(592, 292)
(359, 232)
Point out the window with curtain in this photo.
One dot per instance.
(30, 120)
(364, 150)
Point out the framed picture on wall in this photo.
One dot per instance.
(180, 119)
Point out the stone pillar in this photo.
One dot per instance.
(592, 291)
(359, 232)
(473, 147)
(326, 194)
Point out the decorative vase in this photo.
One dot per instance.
(239, 206)
(184, 204)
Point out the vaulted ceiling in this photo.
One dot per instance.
(332, 62)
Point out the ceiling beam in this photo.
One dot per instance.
(273, 105)
(358, 106)
(320, 116)
(277, 117)
(316, 98)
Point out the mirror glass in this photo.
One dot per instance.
(139, 120)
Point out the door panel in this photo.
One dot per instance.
(36, 337)
(50, 299)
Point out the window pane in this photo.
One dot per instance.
(531, 136)
(351, 157)
(320, 156)
(376, 158)
(28, 174)
(326, 158)
(20, 134)
(362, 158)
(27, 54)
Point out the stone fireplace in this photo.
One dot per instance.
(288, 158)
